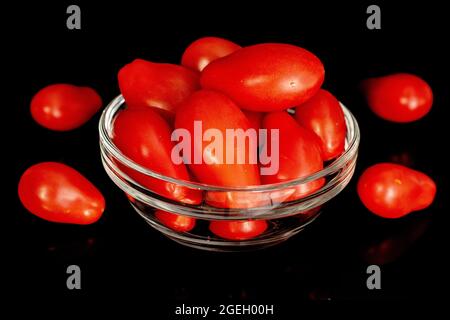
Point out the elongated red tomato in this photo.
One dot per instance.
(64, 107)
(299, 156)
(266, 77)
(323, 115)
(56, 192)
(392, 190)
(204, 50)
(144, 137)
(399, 97)
(209, 112)
(159, 85)
(213, 110)
(175, 221)
(238, 230)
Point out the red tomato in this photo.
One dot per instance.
(238, 230)
(174, 221)
(216, 111)
(323, 115)
(159, 85)
(58, 193)
(144, 137)
(266, 77)
(299, 156)
(398, 97)
(64, 107)
(392, 190)
(204, 50)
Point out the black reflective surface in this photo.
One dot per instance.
(121, 256)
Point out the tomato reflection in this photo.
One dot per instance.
(396, 243)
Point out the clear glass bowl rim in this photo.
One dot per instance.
(106, 125)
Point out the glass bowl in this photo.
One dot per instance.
(226, 219)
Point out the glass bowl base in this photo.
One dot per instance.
(277, 232)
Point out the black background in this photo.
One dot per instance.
(120, 256)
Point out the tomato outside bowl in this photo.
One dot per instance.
(267, 214)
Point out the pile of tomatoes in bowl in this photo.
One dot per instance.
(258, 145)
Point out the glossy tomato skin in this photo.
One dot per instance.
(266, 77)
(300, 155)
(204, 50)
(56, 192)
(323, 115)
(144, 136)
(162, 86)
(392, 190)
(216, 111)
(400, 97)
(63, 107)
(238, 230)
(176, 222)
